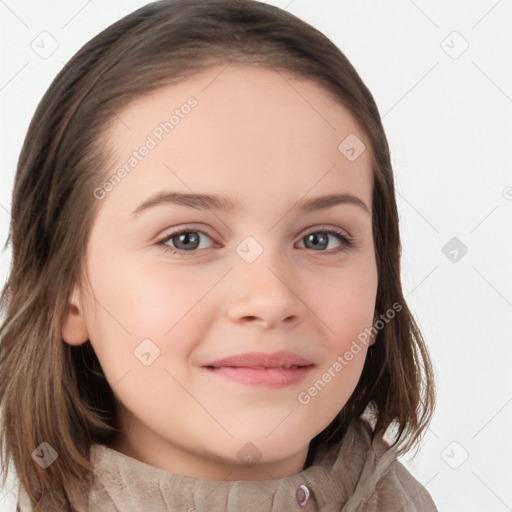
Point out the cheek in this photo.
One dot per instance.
(346, 305)
(136, 303)
(346, 308)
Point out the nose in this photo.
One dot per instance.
(265, 293)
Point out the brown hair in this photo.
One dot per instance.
(56, 393)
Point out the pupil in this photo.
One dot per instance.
(318, 240)
(186, 239)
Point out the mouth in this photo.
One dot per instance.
(259, 369)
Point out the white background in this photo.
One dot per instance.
(448, 118)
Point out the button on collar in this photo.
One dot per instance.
(303, 495)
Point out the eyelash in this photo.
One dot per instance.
(347, 242)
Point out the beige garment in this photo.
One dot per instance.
(355, 475)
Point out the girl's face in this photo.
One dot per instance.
(263, 276)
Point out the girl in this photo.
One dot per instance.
(204, 310)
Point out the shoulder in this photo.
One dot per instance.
(399, 490)
(384, 483)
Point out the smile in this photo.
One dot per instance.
(261, 376)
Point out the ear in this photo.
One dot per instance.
(74, 328)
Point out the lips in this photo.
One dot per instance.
(262, 361)
(276, 370)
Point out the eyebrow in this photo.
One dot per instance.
(215, 202)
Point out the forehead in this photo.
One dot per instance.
(239, 130)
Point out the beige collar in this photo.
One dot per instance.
(126, 484)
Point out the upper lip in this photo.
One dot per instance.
(282, 359)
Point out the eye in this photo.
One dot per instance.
(185, 240)
(319, 241)
(188, 239)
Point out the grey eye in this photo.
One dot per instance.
(319, 240)
(186, 240)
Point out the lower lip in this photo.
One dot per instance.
(274, 378)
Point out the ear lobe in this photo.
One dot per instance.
(74, 329)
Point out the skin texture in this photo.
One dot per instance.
(265, 140)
